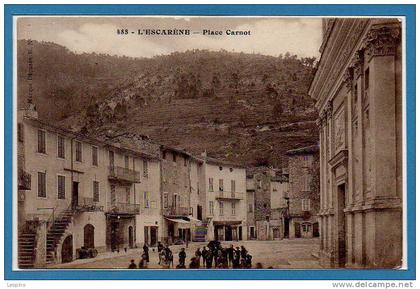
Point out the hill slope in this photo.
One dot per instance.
(247, 108)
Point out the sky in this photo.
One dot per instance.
(269, 35)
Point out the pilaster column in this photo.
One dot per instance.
(381, 43)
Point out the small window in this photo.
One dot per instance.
(94, 156)
(211, 208)
(210, 184)
(95, 191)
(61, 187)
(60, 147)
(164, 155)
(145, 169)
(233, 186)
(79, 152)
(250, 208)
(20, 132)
(111, 159)
(126, 161)
(42, 185)
(233, 209)
(191, 211)
(221, 205)
(306, 205)
(221, 185)
(165, 200)
(41, 142)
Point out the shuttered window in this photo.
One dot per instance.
(41, 142)
(42, 185)
(79, 153)
(61, 187)
(60, 147)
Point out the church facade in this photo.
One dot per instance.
(358, 93)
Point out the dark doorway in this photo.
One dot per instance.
(75, 195)
(115, 240)
(228, 233)
(297, 230)
(316, 230)
(286, 228)
(153, 236)
(252, 233)
(146, 235)
(341, 222)
(89, 236)
(199, 213)
(130, 237)
(240, 233)
(67, 250)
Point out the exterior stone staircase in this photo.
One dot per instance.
(56, 232)
(26, 250)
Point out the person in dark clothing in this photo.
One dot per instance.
(204, 253)
(160, 247)
(146, 252)
(182, 256)
(198, 255)
(248, 261)
(195, 263)
(209, 259)
(236, 258)
(230, 255)
(243, 252)
(169, 257)
(132, 265)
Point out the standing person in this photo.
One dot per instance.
(143, 262)
(204, 253)
(182, 256)
(209, 259)
(198, 254)
(160, 251)
(243, 252)
(132, 265)
(169, 257)
(146, 252)
(236, 258)
(230, 255)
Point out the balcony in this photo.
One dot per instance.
(225, 195)
(176, 211)
(89, 205)
(24, 180)
(124, 208)
(123, 175)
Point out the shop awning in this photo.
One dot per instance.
(225, 223)
(181, 221)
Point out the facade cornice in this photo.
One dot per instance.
(345, 39)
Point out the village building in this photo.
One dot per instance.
(358, 93)
(303, 193)
(77, 192)
(180, 193)
(250, 207)
(279, 200)
(223, 200)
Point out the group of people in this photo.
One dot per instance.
(211, 256)
(224, 258)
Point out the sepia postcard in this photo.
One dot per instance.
(209, 142)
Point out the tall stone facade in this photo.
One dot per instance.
(303, 195)
(358, 89)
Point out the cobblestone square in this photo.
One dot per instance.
(283, 254)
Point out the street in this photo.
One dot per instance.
(283, 254)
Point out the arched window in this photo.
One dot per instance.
(89, 236)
